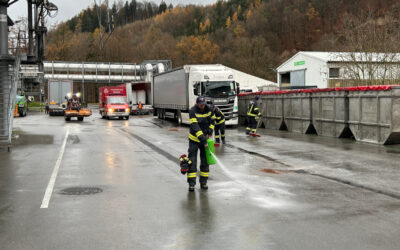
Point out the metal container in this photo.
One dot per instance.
(330, 113)
(374, 116)
(297, 112)
(272, 111)
(242, 100)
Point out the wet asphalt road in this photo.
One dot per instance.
(280, 191)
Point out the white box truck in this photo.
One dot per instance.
(175, 92)
(57, 90)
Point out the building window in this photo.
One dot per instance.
(333, 72)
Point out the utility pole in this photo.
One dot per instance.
(31, 56)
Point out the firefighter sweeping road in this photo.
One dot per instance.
(116, 184)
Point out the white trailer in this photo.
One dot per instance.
(57, 91)
(175, 92)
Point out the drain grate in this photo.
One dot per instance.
(81, 191)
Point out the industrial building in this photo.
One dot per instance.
(338, 69)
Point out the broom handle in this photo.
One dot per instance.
(259, 119)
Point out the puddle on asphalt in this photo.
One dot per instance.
(28, 139)
(81, 191)
(74, 139)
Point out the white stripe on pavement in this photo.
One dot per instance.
(50, 186)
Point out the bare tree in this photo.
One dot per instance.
(372, 44)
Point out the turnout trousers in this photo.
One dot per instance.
(194, 147)
(220, 132)
(252, 125)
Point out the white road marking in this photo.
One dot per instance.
(50, 186)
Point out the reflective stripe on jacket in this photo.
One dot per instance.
(219, 117)
(253, 110)
(201, 124)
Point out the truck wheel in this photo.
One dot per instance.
(80, 119)
(127, 118)
(178, 117)
(108, 118)
(67, 119)
(163, 114)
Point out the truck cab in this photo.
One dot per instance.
(218, 86)
(113, 102)
(115, 107)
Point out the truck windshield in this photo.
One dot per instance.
(116, 100)
(220, 89)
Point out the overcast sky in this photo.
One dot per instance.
(69, 8)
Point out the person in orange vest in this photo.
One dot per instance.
(140, 106)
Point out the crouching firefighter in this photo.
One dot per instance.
(253, 114)
(201, 128)
(219, 125)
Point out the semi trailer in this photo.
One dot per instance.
(174, 92)
(57, 90)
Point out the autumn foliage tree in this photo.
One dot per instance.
(196, 50)
(251, 35)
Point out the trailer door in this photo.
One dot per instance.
(298, 78)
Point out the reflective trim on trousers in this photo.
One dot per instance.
(192, 175)
(204, 174)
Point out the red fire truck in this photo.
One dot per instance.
(113, 103)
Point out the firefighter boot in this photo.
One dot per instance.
(204, 186)
(191, 188)
(216, 144)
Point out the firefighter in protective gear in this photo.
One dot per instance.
(253, 114)
(219, 124)
(201, 128)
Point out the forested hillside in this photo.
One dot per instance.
(254, 36)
